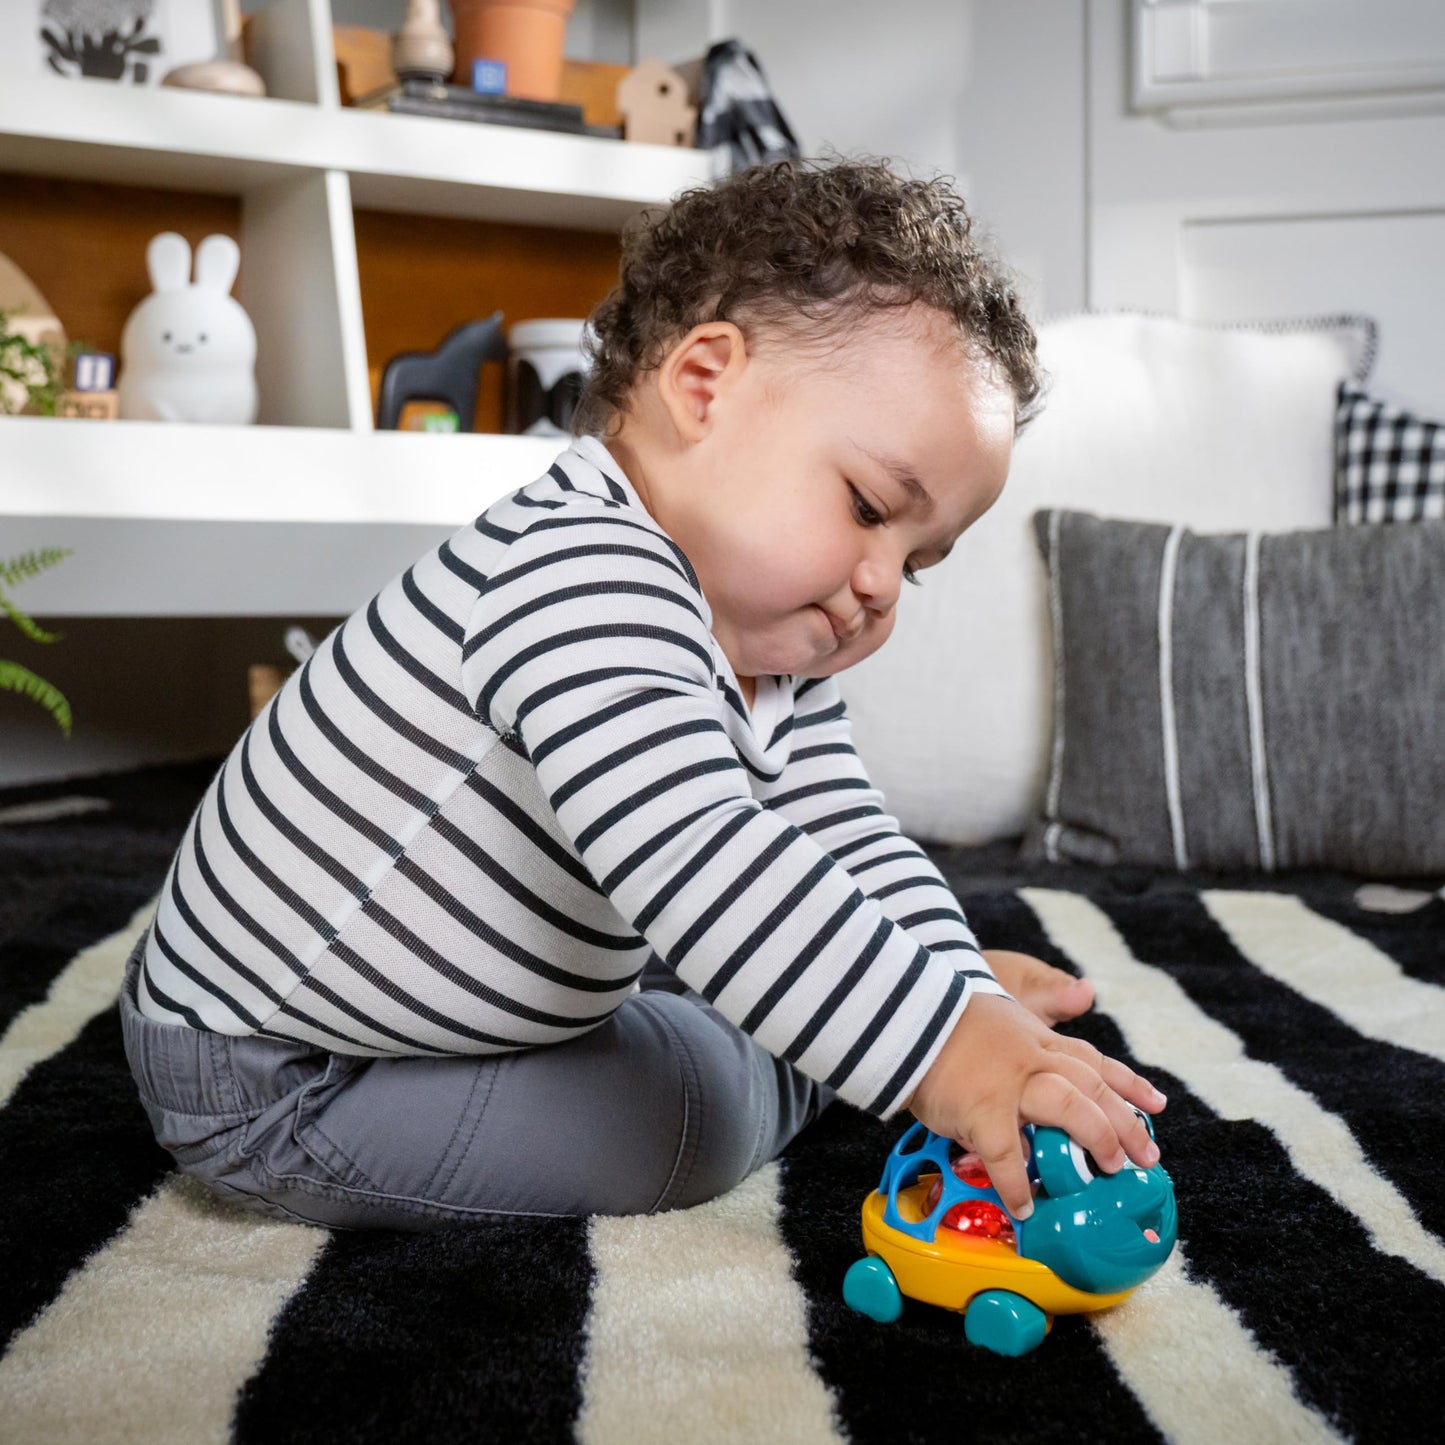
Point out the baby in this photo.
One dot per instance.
(552, 884)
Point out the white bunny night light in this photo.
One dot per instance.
(188, 351)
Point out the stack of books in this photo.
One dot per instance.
(457, 102)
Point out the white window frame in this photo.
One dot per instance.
(1334, 56)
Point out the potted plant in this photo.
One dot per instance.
(31, 371)
(13, 676)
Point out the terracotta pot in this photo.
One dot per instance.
(526, 34)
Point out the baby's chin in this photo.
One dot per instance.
(829, 665)
(787, 656)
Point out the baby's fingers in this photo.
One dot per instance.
(1117, 1090)
(1119, 1077)
(999, 1145)
(1076, 1100)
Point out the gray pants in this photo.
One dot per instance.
(666, 1104)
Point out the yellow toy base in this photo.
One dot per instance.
(954, 1268)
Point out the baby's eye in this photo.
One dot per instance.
(910, 574)
(866, 514)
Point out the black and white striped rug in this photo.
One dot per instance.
(1300, 1038)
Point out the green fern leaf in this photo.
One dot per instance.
(27, 625)
(14, 678)
(31, 564)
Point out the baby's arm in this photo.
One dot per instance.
(825, 790)
(1001, 1066)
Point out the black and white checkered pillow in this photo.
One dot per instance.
(1389, 464)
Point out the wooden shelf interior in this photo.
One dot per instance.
(423, 275)
(83, 244)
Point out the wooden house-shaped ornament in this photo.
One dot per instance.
(653, 102)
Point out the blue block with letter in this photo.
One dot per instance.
(489, 77)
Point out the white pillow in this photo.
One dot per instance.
(1146, 418)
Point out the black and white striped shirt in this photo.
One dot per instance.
(525, 765)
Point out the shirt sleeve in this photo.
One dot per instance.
(589, 648)
(826, 792)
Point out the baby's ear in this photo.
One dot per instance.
(708, 360)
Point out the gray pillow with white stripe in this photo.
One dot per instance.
(1246, 701)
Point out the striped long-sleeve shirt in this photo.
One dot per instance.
(523, 767)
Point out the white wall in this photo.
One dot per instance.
(1097, 207)
(990, 93)
(848, 74)
(1272, 213)
(1023, 139)
(858, 76)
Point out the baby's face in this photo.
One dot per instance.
(821, 481)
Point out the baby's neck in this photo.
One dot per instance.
(626, 457)
(631, 460)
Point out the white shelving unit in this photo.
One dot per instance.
(226, 521)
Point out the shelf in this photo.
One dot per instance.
(172, 520)
(189, 140)
(312, 512)
(173, 471)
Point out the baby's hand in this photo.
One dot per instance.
(1002, 1068)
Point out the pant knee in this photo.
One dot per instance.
(743, 1105)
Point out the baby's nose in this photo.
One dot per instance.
(881, 603)
(874, 590)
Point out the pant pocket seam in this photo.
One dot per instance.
(307, 1131)
(689, 1138)
(440, 1186)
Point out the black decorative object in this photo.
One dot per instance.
(448, 374)
(103, 39)
(738, 119)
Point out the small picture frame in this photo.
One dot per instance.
(130, 42)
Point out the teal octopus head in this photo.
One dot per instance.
(1103, 1233)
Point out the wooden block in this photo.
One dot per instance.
(263, 682)
(363, 60)
(94, 371)
(89, 405)
(593, 86)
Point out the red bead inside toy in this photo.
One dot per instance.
(976, 1218)
(969, 1168)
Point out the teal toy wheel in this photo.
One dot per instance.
(1004, 1322)
(869, 1288)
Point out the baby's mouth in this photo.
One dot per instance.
(841, 630)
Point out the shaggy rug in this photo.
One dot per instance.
(1297, 1025)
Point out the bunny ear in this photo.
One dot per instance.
(217, 260)
(168, 259)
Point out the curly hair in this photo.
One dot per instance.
(802, 247)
